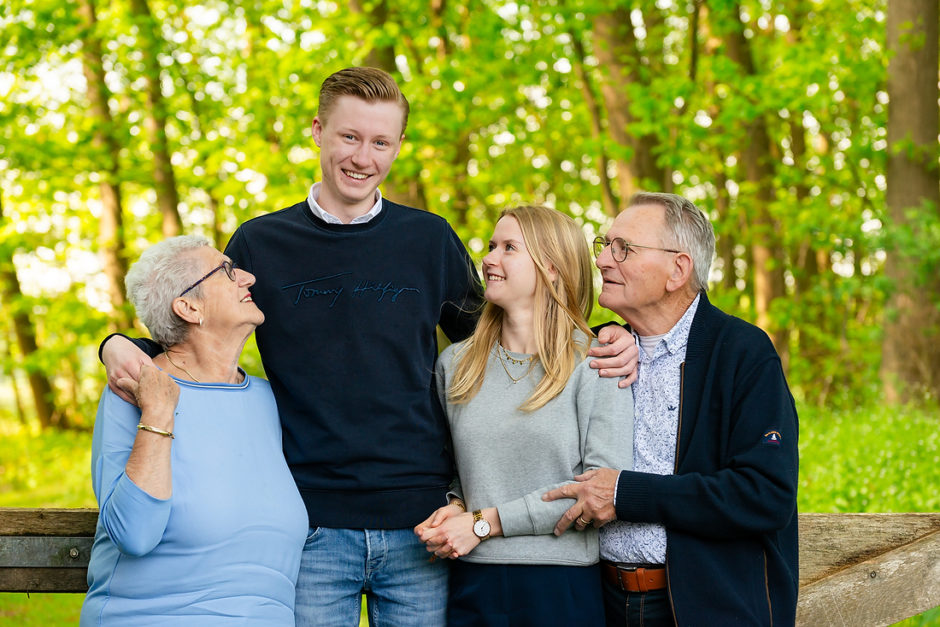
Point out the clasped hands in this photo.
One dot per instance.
(448, 532)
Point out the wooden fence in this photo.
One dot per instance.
(855, 569)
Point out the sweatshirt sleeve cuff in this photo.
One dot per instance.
(514, 518)
(105, 341)
(148, 346)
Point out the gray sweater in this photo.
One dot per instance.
(508, 458)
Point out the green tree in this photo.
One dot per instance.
(911, 363)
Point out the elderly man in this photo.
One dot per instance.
(705, 524)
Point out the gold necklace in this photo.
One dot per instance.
(500, 352)
(518, 362)
(167, 353)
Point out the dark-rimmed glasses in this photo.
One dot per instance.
(620, 248)
(226, 265)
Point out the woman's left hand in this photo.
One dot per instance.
(618, 354)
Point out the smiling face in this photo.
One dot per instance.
(640, 281)
(510, 273)
(225, 304)
(358, 143)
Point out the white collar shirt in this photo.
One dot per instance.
(329, 218)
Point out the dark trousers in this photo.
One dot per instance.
(637, 609)
(519, 595)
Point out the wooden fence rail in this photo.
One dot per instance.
(855, 569)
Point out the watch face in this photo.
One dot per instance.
(481, 528)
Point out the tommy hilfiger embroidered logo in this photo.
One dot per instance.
(307, 290)
(381, 289)
(333, 290)
(772, 438)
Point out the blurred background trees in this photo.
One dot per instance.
(806, 129)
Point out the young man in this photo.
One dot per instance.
(353, 287)
(706, 523)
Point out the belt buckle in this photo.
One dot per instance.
(638, 575)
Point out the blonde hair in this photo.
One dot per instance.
(554, 241)
(366, 83)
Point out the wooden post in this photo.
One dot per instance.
(855, 569)
(45, 550)
(867, 569)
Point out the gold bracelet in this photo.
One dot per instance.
(459, 503)
(142, 427)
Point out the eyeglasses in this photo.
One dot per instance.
(621, 249)
(226, 265)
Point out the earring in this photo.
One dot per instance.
(200, 322)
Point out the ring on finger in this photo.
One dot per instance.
(582, 522)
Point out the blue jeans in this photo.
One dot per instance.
(637, 609)
(390, 566)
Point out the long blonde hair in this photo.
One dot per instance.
(554, 241)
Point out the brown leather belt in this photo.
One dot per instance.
(637, 579)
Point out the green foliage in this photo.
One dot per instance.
(501, 115)
(40, 610)
(44, 469)
(873, 459)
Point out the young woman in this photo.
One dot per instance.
(527, 414)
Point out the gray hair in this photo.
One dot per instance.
(157, 278)
(691, 230)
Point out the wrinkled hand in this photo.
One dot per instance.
(452, 538)
(155, 393)
(619, 354)
(594, 504)
(123, 360)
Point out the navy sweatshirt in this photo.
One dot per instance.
(349, 344)
(730, 508)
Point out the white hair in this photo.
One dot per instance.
(691, 230)
(157, 278)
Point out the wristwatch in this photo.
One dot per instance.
(481, 528)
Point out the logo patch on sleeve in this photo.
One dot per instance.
(772, 438)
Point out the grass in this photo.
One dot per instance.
(881, 459)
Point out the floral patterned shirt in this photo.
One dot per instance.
(656, 405)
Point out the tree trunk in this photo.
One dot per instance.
(399, 186)
(810, 265)
(609, 198)
(18, 399)
(766, 248)
(617, 53)
(163, 177)
(910, 359)
(725, 243)
(111, 225)
(23, 329)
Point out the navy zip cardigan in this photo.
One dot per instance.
(730, 508)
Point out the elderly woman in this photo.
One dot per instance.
(200, 521)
